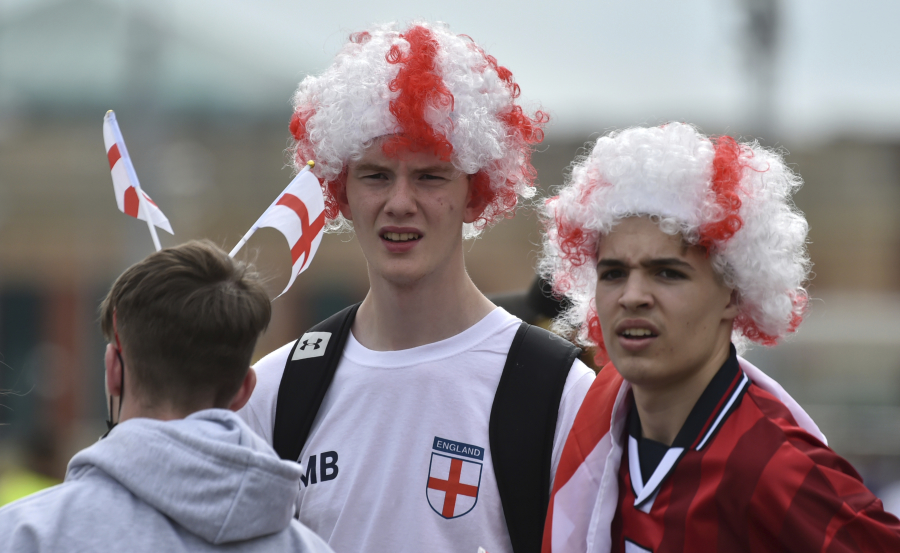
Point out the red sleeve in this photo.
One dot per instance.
(809, 499)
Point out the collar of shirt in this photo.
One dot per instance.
(656, 460)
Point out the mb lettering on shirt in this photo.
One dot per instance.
(458, 448)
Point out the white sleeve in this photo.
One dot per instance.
(259, 413)
(577, 384)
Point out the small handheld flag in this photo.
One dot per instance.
(299, 214)
(129, 196)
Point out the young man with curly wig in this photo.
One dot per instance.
(675, 248)
(418, 141)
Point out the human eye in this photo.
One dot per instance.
(610, 274)
(671, 274)
(432, 178)
(373, 176)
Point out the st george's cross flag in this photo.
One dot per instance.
(129, 196)
(299, 214)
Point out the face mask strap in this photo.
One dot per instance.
(109, 423)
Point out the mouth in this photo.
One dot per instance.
(400, 236)
(638, 333)
(635, 336)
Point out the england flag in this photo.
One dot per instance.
(299, 214)
(129, 196)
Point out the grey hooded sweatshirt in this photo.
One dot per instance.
(204, 483)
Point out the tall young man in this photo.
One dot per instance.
(418, 140)
(674, 247)
(180, 471)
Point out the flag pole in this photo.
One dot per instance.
(150, 224)
(132, 175)
(309, 165)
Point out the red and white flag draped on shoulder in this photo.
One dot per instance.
(129, 196)
(299, 214)
(586, 488)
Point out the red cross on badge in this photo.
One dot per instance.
(452, 485)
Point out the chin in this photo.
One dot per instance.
(637, 370)
(402, 278)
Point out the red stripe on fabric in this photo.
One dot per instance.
(307, 232)
(811, 511)
(715, 412)
(870, 530)
(146, 197)
(682, 486)
(644, 529)
(113, 155)
(591, 423)
(703, 515)
(132, 202)
(742, 486)
(775, 410)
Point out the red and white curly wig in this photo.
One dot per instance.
(733, 199)
(429, 90)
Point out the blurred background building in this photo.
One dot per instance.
(202, 87)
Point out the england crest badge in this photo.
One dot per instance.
(454, 477)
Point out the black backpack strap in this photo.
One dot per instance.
(307, 375)
(522, 427)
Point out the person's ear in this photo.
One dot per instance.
(343, 203)
(733, 309)
(475, 203)
(113, 371)
(245, 391)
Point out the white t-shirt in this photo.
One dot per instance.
(398, 458)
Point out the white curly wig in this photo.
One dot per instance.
(731, 198)
(427, 89)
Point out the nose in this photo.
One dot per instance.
(401, 201)
(636, 292)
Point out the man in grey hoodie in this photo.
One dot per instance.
(181, 472)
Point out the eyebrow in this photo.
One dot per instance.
(436, 169)
(382, 168)
(648, 264)
(370, 167)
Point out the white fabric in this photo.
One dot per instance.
(297, 221)
(586, 504)
(381, 416)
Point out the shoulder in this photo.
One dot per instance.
(91, 488)
(593, 420)
(270, 369)
(761, 436)
(74, 512)
(797, 471)
(272, 365)
(578, 382)
(497, 329)
(259, 412)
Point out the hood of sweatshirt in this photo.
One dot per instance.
(208, 472)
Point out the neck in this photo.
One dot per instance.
(134, 407)
(433, 308)
(664, 410)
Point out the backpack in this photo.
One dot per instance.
(524, 413)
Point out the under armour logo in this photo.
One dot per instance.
(311, 344)
(307, 344)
